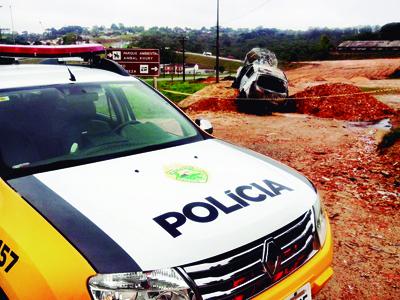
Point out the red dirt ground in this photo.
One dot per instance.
(350, 103)
(357, 72)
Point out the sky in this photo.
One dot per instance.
(36, 15)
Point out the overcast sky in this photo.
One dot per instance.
(35, 15)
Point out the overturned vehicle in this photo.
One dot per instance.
(262, 86)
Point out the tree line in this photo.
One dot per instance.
(289, 45)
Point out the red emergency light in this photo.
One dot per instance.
(85, 50)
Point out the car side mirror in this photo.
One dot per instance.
(205, 125)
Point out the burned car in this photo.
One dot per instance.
(261, 84)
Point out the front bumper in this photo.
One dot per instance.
(317, 271)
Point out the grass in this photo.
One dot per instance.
(205, 62)
(378, 90)
(187, 87)
(30, 60)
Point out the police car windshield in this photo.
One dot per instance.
(73, 122)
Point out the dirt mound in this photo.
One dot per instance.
(214, 97)
(208, 80)
(341, 101)
(319, 78)
(359, 79)
(214, 104)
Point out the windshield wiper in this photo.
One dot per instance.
(21, 165)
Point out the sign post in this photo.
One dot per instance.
(138, 62)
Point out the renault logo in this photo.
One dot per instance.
(272, 257)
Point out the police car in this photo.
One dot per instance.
(108, 191)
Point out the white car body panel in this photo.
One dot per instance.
(123, 203)
(14, 76)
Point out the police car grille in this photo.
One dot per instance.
(241, 274)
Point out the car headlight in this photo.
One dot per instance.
(320, 220)
(156, 285)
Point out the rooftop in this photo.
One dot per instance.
(370, 44)
(25, 75)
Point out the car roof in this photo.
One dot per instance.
(29, 75)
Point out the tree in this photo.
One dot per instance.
(323, 47)
(221, 68)
(366, 33)
(70, 39)
(390, 31)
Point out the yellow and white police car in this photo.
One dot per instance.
(108, 191)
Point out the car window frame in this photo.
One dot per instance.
(8, 173)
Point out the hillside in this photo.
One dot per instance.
(208, 62)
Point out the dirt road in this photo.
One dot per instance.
(361, 187)
(359, 190)
(364, 73)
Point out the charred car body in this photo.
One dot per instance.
(261, 84)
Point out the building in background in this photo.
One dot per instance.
(369, 46)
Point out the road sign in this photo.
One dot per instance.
(138, 62)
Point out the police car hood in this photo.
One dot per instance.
(129, 199)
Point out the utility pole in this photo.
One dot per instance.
(183, 40)
(217, 46)
(12, 23)
(0, 28)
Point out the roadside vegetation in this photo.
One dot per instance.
(206, 62)
(379, 90)
(188, 87)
